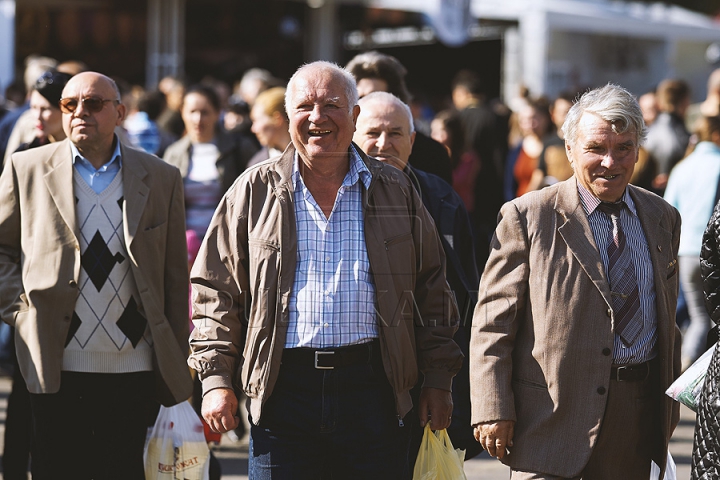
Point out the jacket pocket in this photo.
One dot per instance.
(397, 239)
(528, 383)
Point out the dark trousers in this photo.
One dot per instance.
(94, 427)
(339, 424)
(18, 425)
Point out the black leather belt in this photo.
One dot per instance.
(630, 373)
(330, 358)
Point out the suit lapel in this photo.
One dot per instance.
(135, 192)
(578, 236)
(59, 181)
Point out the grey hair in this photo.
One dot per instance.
(350, 86)
(390, 98)
(613, 104)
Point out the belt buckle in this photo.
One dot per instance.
(317, 357)
(617, 372)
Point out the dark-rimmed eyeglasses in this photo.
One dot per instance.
(91, 104)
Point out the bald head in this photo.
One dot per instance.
(385, 128)
(91, 111)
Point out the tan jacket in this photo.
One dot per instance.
(40, 261)
(244, 273)
(543, 327)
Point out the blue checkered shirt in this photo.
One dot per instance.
(332, 302)
(644, 347)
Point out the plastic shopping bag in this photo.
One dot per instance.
(176, 447)
(670, 470)
(688, 386)
(437, 458)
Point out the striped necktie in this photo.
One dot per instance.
(623, 282)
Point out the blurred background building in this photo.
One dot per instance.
(547, 46)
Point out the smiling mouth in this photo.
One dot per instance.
(317, 133)
(608, 177)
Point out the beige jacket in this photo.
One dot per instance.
(40, 261)
(244, 273)
(543, 328)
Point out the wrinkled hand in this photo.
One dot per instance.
(435, 406)
(219, 409)
(495, 437)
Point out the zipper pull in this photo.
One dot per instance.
(400, 421)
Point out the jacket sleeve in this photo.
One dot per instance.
(220, 284)
(439, 357)
(502, 297)
(710, 265)
(11, 290)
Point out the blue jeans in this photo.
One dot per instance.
(339, 423)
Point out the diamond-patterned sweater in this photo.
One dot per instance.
(108, 332)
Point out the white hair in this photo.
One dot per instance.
(386, 97)
(350, 86)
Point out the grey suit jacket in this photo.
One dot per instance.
(543, 320)
(40, 261)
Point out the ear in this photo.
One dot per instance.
(412, 138)
(355, 114)
(568, 152)
(122, 111)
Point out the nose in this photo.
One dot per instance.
(80, 110)
(382, 141)
(316, 114)
(608, 160)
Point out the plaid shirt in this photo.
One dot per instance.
(332, 302)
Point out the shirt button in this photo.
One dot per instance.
(72, 283)
(327, 293)
(606, 352)
(326, 325)
(601, 390)
(327, 259)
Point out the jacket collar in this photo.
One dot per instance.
(135, 190)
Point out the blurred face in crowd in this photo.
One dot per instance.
(532, 122)
(47, 117)
(649, 107)
(200, 117)
(439, 133)
(561, 107)
(269, 129)
(89, 129)
(322, 121)
(384, 132)
(369, 85)
(603, 160)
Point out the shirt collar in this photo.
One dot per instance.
(358, 171)
(116, 156)
(590, 202)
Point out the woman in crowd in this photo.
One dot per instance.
(270, 124)
(45, 110)
(209, 158)
(535, 125)
(447, 130)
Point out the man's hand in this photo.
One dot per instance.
(436, 406)
(495, 437)
(219, 409)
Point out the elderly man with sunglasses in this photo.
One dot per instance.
(93, 276)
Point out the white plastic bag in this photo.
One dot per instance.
(176, 447)
(670, 471)
(688, 386)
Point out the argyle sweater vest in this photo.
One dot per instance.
(108, 332)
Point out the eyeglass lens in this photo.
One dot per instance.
(91, 104)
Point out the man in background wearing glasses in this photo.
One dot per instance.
(93, 276)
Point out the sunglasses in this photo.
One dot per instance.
(91, 104)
